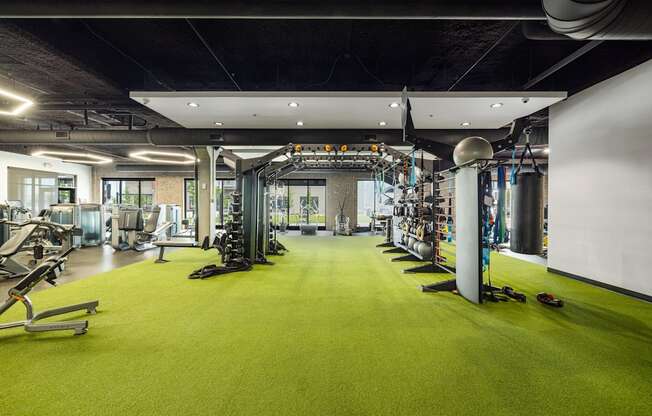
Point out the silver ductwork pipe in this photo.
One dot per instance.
(600, 19)
(73, 137)
(176, 137)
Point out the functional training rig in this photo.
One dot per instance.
(458, 201)
(250, 237)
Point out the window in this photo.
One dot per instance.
(299, 201)
(136, 192)
(189, 198)
(366, 203)
(37, 190)
(224, 188)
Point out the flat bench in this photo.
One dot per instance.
(171, 243)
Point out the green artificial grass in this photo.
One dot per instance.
(334, 328)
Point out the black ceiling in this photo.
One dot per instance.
(71, 62)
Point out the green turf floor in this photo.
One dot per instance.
(334, 328)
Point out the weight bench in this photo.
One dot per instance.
(171, 243)
(48, 271)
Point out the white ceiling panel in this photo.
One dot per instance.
(343, 110)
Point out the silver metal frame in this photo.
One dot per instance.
(18, 293)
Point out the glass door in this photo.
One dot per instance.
(298, 202)
(317, 202)
(366, 204)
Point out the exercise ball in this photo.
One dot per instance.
(472, 148)
(411, 242)
(425, 250)
(416, 245)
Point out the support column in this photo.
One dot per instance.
(205, 193)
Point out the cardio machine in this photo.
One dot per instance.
(49, 270)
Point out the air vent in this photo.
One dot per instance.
(62, 135)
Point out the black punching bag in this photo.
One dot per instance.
(526, 235)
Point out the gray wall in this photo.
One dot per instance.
(600, 184)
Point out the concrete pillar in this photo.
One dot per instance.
(206, 193)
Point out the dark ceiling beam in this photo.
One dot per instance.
(559, 65)
(276, 9)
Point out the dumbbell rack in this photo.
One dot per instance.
(234, 250)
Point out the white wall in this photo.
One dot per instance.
(15, 160)
(600, 184)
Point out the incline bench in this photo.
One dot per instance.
(171, 243)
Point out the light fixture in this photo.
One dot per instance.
(193, 104)
(24, 103)
(382, 123)
(394, 105)
(465, 124)
(293, 104)
(546, 151)
(155, 156)
(73, 157)
(299, 123)
(496, 105)
(219, 123)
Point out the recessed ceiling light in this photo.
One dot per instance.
(293, 104)
(299, 123)
(193, 104)
(24, 103)
(171, 158)
(73, 157)
(496, 105)
(465, 124)
(394, 105)
(382, 123)
(219, 123)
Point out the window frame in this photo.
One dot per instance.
(140, 189)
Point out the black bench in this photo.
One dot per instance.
(172, 243)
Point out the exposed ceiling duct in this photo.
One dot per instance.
(206, 137)
(276, 9)
(600, 19)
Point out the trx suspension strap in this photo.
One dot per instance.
(499, 227)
